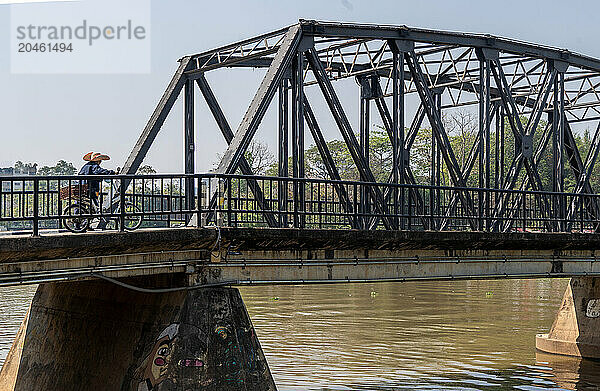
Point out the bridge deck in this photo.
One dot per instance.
(265, 255)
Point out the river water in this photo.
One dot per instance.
(463, 335)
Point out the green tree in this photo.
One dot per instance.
(61, 168)
(315, 167)
(25, 168)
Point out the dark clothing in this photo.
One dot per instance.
(93, 168)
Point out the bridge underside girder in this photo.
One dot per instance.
(288, 256)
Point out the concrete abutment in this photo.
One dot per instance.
(95, 335)
(576, 329)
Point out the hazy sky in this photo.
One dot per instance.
(49, 117)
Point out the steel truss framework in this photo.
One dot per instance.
(506, 80)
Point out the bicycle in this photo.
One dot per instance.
(83, 209)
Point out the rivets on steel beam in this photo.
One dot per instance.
(404, 31)
(366, 90)
(490, 40)
(487, 54)
(401, 45)
(560, 66)
(527, 146)
(307, 42)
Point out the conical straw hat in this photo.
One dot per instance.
(98, 157)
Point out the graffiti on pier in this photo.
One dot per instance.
(154, 368)
(209, 345)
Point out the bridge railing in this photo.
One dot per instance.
(31, 203)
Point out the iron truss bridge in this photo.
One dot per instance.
(514, 86)
(530, 100)
(221, 233)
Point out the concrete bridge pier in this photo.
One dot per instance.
(95, 335)
(576, 329)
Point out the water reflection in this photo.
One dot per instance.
(14, 303)
(468, 335)
(464, 335)
(571, 373)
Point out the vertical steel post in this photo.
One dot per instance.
(438, 160)
(365, 95)
(298, 137)
(399, 152)
(486, 139)
(36, 206)
(481, 118)
(432, 175)
(559, 159)
(497, 148)
(435, 178)
(502, 147)
(396, 146)
(485, 119)
(403, 159)
(189, 146)
(553, 119)
(558, 144)
(400, 155)
(283, 151)
(294, 82)
(198, 201)
(122, 190)
(229, 202)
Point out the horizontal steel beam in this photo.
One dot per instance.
(383, 32)
(370, 31)
(388, 266)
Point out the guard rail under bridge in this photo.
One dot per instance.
(491, 210)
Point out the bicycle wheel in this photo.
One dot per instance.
(76, 224)
(132, 221)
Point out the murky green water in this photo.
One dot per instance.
(476, 335)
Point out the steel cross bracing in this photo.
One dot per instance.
(530, 101)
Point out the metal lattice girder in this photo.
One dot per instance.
(369, 31)
(540, 148)
(344, 126)
(399, 61)
(574, 159)
(438, 129)
(244, 166)
(332, 170)
(243, 53)
(387, 120)
(523, 138)
(582, 172)
(586, 174)
(414, 127)
(260, 102)
(348, 50)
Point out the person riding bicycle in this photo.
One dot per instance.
(92, 167)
